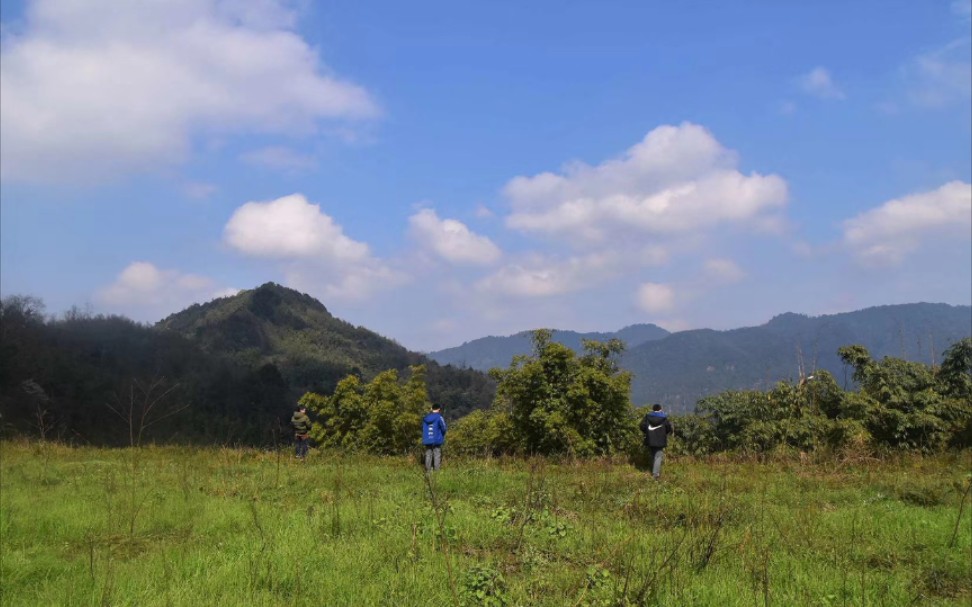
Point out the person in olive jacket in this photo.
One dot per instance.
(302, 425)
(656, 428)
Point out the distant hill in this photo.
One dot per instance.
(313, 349)
(679, 368)
(688, 365)
(488, 352)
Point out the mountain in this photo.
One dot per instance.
(277, 325)
(488, 352)
(233, 367)
(311, 348)
(685, 366)
(679, 368)
(226, 372)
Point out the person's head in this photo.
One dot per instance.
(656, 407)
(302, 408)
(436, 407)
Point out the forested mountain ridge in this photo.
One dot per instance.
(685, 366)
(274, 324)
(237, 365)
(679, 368)
(486, 353)
(240, 362)
(313, 349)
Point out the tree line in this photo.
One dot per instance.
(556, 402)
(108, 380)
(898, 404)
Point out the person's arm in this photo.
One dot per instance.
(442, 425)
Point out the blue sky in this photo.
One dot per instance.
(442, 171)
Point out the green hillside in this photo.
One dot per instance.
(679, 368)
(486, 353)
(228, 371)
(240, 363)
(685, 366)
(312, 348)
(294, 331)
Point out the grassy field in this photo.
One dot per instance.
(183, 526)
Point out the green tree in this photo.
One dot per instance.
(383, 400)
(955, 374)
(696, 434)
(382, 417)
(483, 433)
(955, 385)
(558, 402)
(743, 420)
(339, 417)
(900, 404)
(796, 416)
(415, 403)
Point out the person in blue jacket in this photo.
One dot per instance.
(433, 435)
(656, 428)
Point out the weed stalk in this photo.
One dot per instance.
(958, 519)
(437, 509)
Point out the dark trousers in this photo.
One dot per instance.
(302, 445)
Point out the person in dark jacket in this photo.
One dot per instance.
(656, 428)
(433, 436)
(302, 426)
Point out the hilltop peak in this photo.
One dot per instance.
(253, 318)
(290, 331)
(788, 320)
(266, 300)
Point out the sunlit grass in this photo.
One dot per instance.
(183, 526)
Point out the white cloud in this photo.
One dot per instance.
(886, 234)
(678, 180)
(655, 297)
(317, 256)
(452, 240)
(290, 227)
(819, 83)
(940, 77)
(280, 158)
(199, 190)
(665, 298)
(483, 211)
(347, 283)
(723, 271)
(147, 292)
(94, 89)
(538, 276)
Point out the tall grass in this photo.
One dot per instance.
(179, 526)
